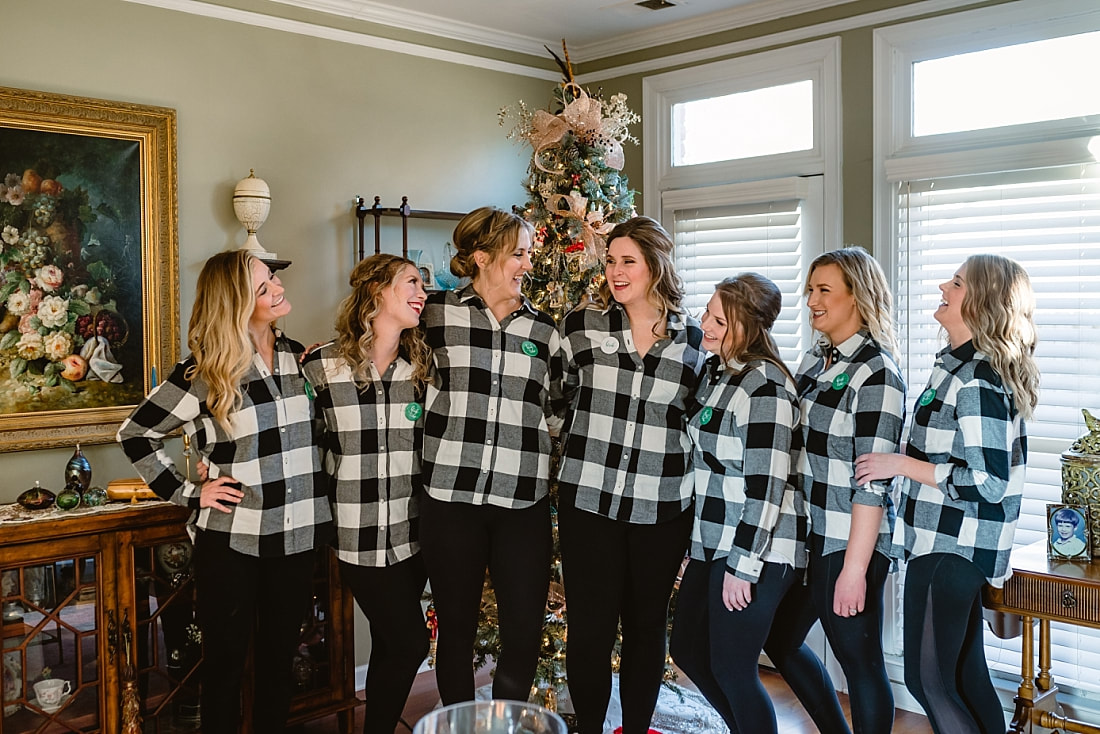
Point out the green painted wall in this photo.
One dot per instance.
(320, 121)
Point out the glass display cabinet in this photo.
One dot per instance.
(99, 603)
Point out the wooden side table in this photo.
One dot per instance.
(1047, 590)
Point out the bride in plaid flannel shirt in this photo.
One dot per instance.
(630, 367)
(964, 475)
(263, 511)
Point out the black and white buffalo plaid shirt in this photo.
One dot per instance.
(855, 407)
(747, 506)
(966, 423)
(371, 450)
(491, 411)
(272, 451)
(626, 454)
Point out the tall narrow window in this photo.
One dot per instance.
(983, 130)
(1048, 220)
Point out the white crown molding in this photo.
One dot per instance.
(412, 20)
(740, 16)
(794, 35)
(342, 36)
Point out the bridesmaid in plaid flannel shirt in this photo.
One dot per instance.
(964, 470)
(369, 385)
(261, 513)
(748, 544)
(852, 402)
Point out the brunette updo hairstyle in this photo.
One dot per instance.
(753, 302)
(487, 229)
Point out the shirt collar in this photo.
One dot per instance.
(468, 295)
(952, 359)
(716, 367)
(673, 324)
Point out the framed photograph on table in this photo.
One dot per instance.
(1068, 532)
(427, 274)
(89, 271)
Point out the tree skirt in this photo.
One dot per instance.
(679, 710)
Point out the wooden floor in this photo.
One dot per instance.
(792, 718)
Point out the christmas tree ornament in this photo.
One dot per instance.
(576, 193)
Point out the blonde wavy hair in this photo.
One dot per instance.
(217, 333)
(666, 289)
(487, 229)
(999, 309)
(753, 302)
(867, 283)
(356, 314)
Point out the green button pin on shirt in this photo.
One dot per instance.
(927, 396)
(529, 348)
(309, 391)
(704, 417)
(840, 381)
(413, 411)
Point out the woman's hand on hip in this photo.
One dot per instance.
(215, 493)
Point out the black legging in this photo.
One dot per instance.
(856, 642)
(236, 594)
(719, 650)
(390, 599)
(945, 667)
(617, 571)
(459, 542)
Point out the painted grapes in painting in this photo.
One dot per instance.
(71, 317)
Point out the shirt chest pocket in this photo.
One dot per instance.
(525, 360)
(670, 381)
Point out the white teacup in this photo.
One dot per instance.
(51, 690)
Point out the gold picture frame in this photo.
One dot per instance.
(89, 260)
(1068, 532)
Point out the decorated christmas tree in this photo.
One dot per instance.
(576, 191)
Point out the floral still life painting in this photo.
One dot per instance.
(71, 293)
(88, 264)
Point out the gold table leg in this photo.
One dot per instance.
(1025, 694)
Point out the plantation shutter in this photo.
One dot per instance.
(772, 228)
(1048, 220)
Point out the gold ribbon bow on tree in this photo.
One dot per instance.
(591, 224)
(582, 117)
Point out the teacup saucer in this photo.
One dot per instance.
(55, 708)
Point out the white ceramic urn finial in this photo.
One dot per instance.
(251, 204)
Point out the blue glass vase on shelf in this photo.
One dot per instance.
(445, 280)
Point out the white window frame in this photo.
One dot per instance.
(900, 156)
(818, 61)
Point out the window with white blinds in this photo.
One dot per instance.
(733, 232)
(1048, 220)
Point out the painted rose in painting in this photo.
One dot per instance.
(57, 297)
